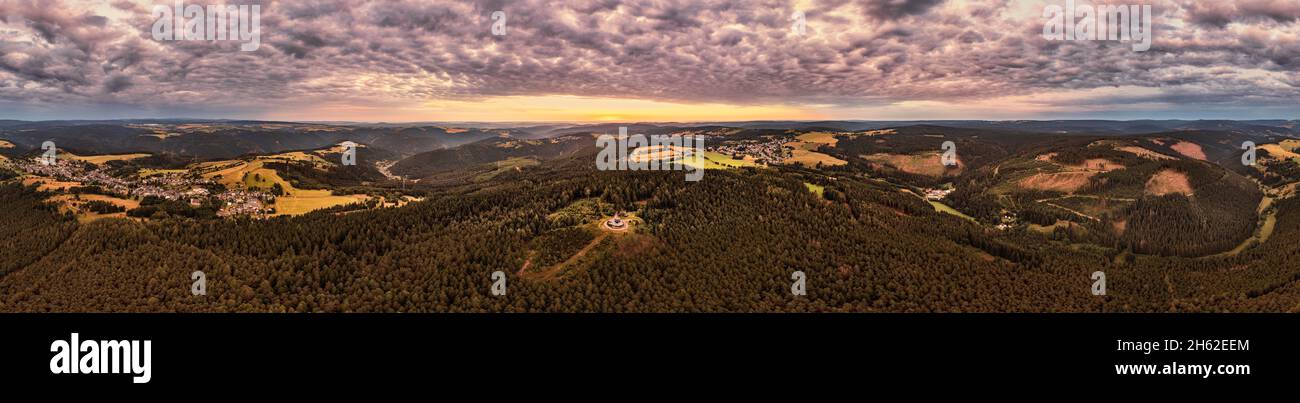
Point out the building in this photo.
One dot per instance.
(616, 223)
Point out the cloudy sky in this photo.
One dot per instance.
(648, 60)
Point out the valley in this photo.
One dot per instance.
(871, 214)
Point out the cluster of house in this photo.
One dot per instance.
(937, 194)
(244, 202)
(170, 186)
(1007, 221)
(766, 152)
(76, 172)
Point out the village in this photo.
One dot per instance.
(769, 152)
(172, 186)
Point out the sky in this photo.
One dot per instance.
(648, 60)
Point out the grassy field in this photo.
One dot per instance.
(304, 201)
(1284, 150)
(314, 159)
(583, 210)
(1262, 233)
(819, 190)
(812, 158)
(818, 138)
(940, 207)
(805, 150)
(47, 184)
(68, 203)
(715, 160)
(928, 164)
(1048, 229)
(100, 159)
(147, 172)
(513, 163)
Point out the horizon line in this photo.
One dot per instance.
(592, 123)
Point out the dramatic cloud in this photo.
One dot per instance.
(439, 60)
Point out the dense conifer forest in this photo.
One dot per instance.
(728, 243)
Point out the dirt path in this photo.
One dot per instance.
(1078, 213)
(554, 272)
(527, 263)
(1123, 199)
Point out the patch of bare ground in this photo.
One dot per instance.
(1067, 182)
(1144, 153)
(919, 164)
(1168, 181)
(1189, 149)
(1096, 164)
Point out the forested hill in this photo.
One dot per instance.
(728, 243)
(218, 140)
(492, 150)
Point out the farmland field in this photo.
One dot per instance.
(100, 159)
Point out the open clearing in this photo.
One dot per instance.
(1067, 182)
(100, 159)
(880, 132)
(1168, 181)
(804, 152)
(69, 203)
(1281, 151)
(516, 164)
(819, 137)
(304, 201)
(715, 160)
(147, 172)
(929, 164)
(47, 184)
(314, 159)
(818, 190)
(1048, 229)
(1096, 164)
(944, 208)
(6, 144)
(1262, 233)
(1189, 149)
(812, 158)
(711, 160)
(1144, 153)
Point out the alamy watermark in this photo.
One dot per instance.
(799, 287)
(76, 356)
(498, 283)
(349, 155)
(949, 156)
(50, 155)
(1107, 22)
(654, 153)
(1098, 283)
(498, 23)
(194, 22)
